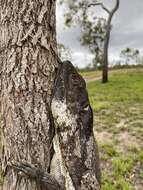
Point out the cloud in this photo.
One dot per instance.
(81, 59)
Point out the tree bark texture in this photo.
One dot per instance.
(27, 66)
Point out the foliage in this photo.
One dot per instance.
(95, 31)
(130, 55)
(64, 52)
(93, 34)
(93, 27)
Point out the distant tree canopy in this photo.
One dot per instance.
(130, 56)
(93, 28)
(93, 35)
(64, 52)
(95, 31)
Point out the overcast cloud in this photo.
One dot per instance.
(127, 31)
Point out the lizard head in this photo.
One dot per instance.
(70, 86)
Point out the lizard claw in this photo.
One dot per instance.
(26, 169)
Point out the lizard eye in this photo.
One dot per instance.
(75, 78)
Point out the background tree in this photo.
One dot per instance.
(95, 36)
(64, 52)
(130, 56)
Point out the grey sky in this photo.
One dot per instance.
(127, 31)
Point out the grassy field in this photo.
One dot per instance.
(118, 124)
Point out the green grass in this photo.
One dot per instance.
(90, 74)
(123, 92)
(109, 149)
(118, 184)
(140, 156)
(118, 111)
(121, 88)
(122, 165)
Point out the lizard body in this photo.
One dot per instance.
(73, 117)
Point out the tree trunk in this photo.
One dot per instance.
(106, 42)
(27, 65)
(105, 56)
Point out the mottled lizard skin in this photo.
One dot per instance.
(76, 161)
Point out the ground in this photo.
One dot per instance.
(118, 126)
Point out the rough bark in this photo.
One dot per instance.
(106, 41)
(27, 66)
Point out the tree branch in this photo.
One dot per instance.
(105, 8)
(99, 4)
(115, 8)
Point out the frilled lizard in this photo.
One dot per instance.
(74, 142)
(75, 164)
